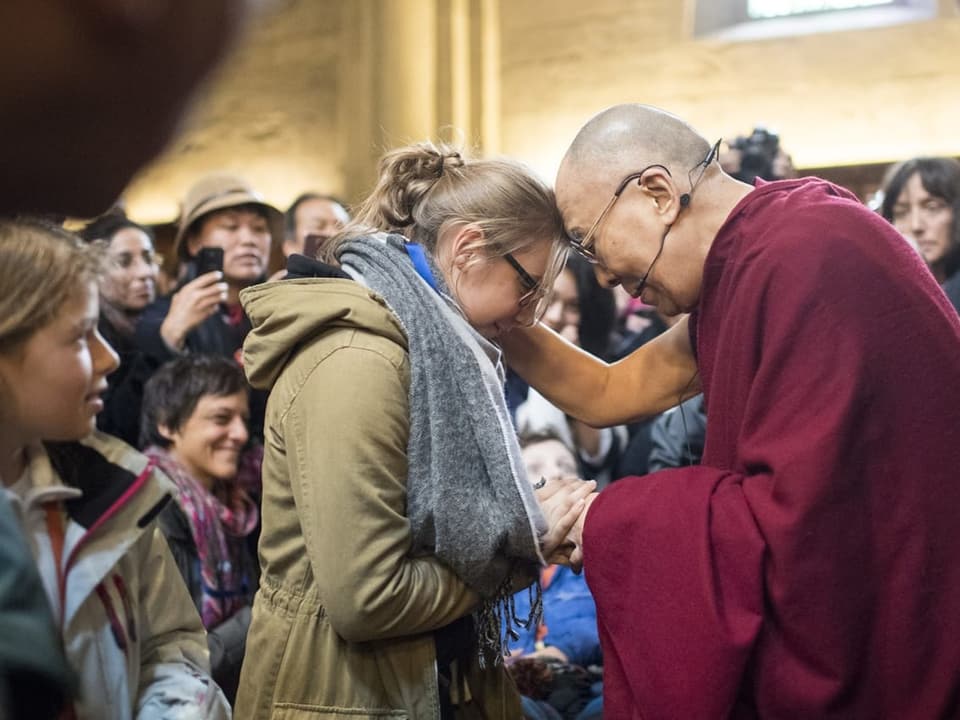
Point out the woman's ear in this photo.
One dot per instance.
(465, 243)
(166, 433)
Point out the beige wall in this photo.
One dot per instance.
(270, 114)
(322, 86)
(836, 98)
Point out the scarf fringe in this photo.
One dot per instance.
(497, 618)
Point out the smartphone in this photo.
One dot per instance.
(208, 259)
(311, 243)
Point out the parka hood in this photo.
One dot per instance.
(286, 314)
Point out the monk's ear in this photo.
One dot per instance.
(659, 189)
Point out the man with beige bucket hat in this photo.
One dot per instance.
(204, 315)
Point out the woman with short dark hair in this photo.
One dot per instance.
(195, 417)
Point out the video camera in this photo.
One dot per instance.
(757, 153)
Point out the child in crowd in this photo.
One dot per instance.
(87, 501)
(550, 659)
(194, 428)
(397, 519)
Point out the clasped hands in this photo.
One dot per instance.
(564, 502)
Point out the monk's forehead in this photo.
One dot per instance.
(581, 194)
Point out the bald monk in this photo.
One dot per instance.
(810, 567)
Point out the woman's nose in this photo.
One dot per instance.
(143, 270)
(527, 315)
(917, 222)
(105, 358)
(238, 430)
(554, 314)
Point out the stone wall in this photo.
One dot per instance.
(320, 87)
(836, 98)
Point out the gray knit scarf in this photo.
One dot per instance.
(468, 498)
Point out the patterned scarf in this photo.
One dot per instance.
(218, 531)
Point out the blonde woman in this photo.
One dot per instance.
(87, 501)
(397, 518)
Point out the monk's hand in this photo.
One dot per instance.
(562, 501)
(575, 538)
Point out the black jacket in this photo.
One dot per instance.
(216, 336)
(227, 641)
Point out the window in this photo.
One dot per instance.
(760, 9)
(759, 19)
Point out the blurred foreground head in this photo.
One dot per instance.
(91, 90)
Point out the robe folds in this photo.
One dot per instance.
(810, 566)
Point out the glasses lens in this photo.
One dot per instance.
(536, 302)
(582, 251)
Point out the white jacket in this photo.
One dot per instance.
(130, 629)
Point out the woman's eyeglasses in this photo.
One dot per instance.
(531, 286)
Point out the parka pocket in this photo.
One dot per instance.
(295, 711)
(321, 673)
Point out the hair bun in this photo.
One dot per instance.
(451, 159)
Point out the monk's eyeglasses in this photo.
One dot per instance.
(584, 246)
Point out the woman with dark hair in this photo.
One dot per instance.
(127, 286)
(195, 415)
(922, 200)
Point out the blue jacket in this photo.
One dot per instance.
(570, 617)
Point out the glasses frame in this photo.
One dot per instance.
(584, 246)
(530, 284)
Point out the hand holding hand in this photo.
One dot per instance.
(575, 537)
(191, 305)
(562, 501)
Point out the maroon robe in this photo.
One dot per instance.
(810, 567)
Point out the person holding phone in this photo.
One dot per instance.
(224, 238)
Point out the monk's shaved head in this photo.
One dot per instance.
(626, 138)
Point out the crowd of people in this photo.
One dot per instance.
(675, 439)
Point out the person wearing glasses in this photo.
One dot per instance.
(809, 566)
(397, 517)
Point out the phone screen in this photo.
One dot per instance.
(310, 245)
(209, 259)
